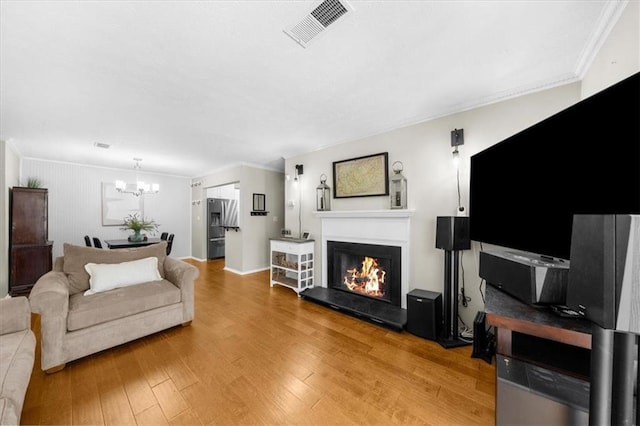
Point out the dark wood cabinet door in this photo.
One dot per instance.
(29, 216)
(30, 252)
(28, 263)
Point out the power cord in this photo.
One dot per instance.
(481, 282)
(465, 333)
(464, 300)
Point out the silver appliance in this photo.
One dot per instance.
(222, 214)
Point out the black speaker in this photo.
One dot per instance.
(484, 343)
(424, 313)
(452, 233)
(604, 270)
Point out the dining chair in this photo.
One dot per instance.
(169, 244)
(87, 241)
(164, 236)
(96, 242)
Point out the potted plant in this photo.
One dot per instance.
(34, 182)
(137, 224)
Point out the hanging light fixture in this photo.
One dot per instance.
(140, 186)
(398, 184)
(323, 195)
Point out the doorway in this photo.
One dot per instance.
(222, 207)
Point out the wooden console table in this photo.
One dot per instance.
(543, 362)
(537, 337)
(508, 314)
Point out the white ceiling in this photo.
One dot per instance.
(196, 86)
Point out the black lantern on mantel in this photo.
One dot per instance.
(398, 187)
(323, 195)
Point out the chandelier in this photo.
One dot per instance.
(139, 188)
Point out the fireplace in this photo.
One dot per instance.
(371, 239)
(365, 270)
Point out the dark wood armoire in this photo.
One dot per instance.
(29, 248)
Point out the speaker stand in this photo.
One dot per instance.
(450, 337)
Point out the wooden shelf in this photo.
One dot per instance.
(508, 313)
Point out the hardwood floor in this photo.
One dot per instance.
(261, 355)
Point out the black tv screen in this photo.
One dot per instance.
(525, 189)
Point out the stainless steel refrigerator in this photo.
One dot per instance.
(221, 214)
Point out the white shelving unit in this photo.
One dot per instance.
(292, 263)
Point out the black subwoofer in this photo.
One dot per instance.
(424, 313)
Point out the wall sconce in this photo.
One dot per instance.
(323, 195)
(299, 171)
(195, 184)
(457, 139)
(398, 184)
(195, 203)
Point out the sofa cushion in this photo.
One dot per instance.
(107, 276)
(86, 311)
(17, 352)
(76, 257)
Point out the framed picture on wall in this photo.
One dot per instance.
(362, 176)
(259, 202)
(116, 205)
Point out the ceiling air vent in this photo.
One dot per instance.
(317, 21)
(101, 145)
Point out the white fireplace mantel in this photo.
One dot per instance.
(383, 227)
(364, 214)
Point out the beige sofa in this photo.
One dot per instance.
(17, 352)
(74, 325)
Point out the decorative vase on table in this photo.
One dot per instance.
(136, 224)
(136, 237)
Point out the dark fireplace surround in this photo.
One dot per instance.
(363, 280)
(344, 256)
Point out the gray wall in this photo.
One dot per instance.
(248, 249)
(425, 152)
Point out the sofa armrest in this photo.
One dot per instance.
(15, 315)
(182, 275)
(50, 295)
(50, 298)
(179, 272)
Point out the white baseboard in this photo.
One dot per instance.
(245, 272)
(192, 258)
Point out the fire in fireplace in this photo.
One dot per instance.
(368, 270)
(368, 279)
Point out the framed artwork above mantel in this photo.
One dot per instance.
(366, 176)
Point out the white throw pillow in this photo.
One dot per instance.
(105, 276)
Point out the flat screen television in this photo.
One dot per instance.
(585, 159)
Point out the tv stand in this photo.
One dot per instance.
(591, 362)
(535, 348)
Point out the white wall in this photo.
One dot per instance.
(9, 177)
(619, 56)
(426, 153)
(75, 203)
(248, 249)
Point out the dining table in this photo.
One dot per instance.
(125, 243)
